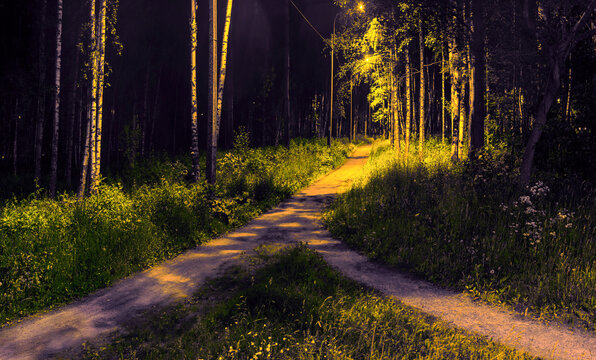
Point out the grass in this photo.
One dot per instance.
(294, 306)
(53, 251)
(468, 227)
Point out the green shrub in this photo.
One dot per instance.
(52, 251)
(467, 226)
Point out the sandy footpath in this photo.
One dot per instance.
(295, 220)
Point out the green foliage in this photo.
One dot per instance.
(52, 251)
(296, 307)
(467, 226)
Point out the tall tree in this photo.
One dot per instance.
(287, 73)
(557, 50)
(477, 81)
(56, 133)
(422, 88)
(193, 91)
(223, 65)
(408, 101)
(212, 101)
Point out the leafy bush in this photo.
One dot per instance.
(52, 251)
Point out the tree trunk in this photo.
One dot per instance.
(194, 153)
(351, 137)
(408, 103)
(212, 102)
(101, 45)
(559, 53)
(422, 90)
(455, 97)
(41, 93)
(93, 97)
(395, 111)
(477, 84)
(223, 65)
(57, 84)
(287, 73)
(443, 99)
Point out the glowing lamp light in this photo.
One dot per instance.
(361, 6)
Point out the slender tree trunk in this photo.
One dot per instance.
(443, 99)
(477, 85)
(101, 47)
(567, 109)
(454, 65)
(408, 103)
(351, 137)
(85, 162)
(287, 73)
(193, 92)
(559, 53)
(394, 109)
(422, 90)
(41, 93)
(223, 65)
(212, 102)
(57, 84)
(93, 97)
(229, 102)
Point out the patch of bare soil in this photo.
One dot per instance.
(295, 220)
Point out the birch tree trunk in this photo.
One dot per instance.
(443, 70)
(408, 103)
(194, 153)
(56, 133)
(223, 65)
(212, 102)
(101, 46)
(93, 96)
(422, 90)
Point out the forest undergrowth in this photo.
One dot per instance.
(292, 305)
(54, 251)
(469, 227)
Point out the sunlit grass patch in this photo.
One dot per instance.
(52, 251)
(467, 226)
(295, 307)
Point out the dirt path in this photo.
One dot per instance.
(294, 220)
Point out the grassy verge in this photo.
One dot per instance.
(52, 251)
(467, 226)
(294, 307)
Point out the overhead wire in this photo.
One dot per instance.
(307, 21)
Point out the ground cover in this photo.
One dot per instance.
(291, 305)
(467, 226)
(53, 251)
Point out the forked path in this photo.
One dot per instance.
(295, 220)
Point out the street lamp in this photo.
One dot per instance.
(331, 105)
(361, 9)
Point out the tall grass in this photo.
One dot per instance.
(295, 307)
(52, 251)
(467, 226)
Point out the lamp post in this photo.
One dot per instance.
(331, 104)
(361, 9)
